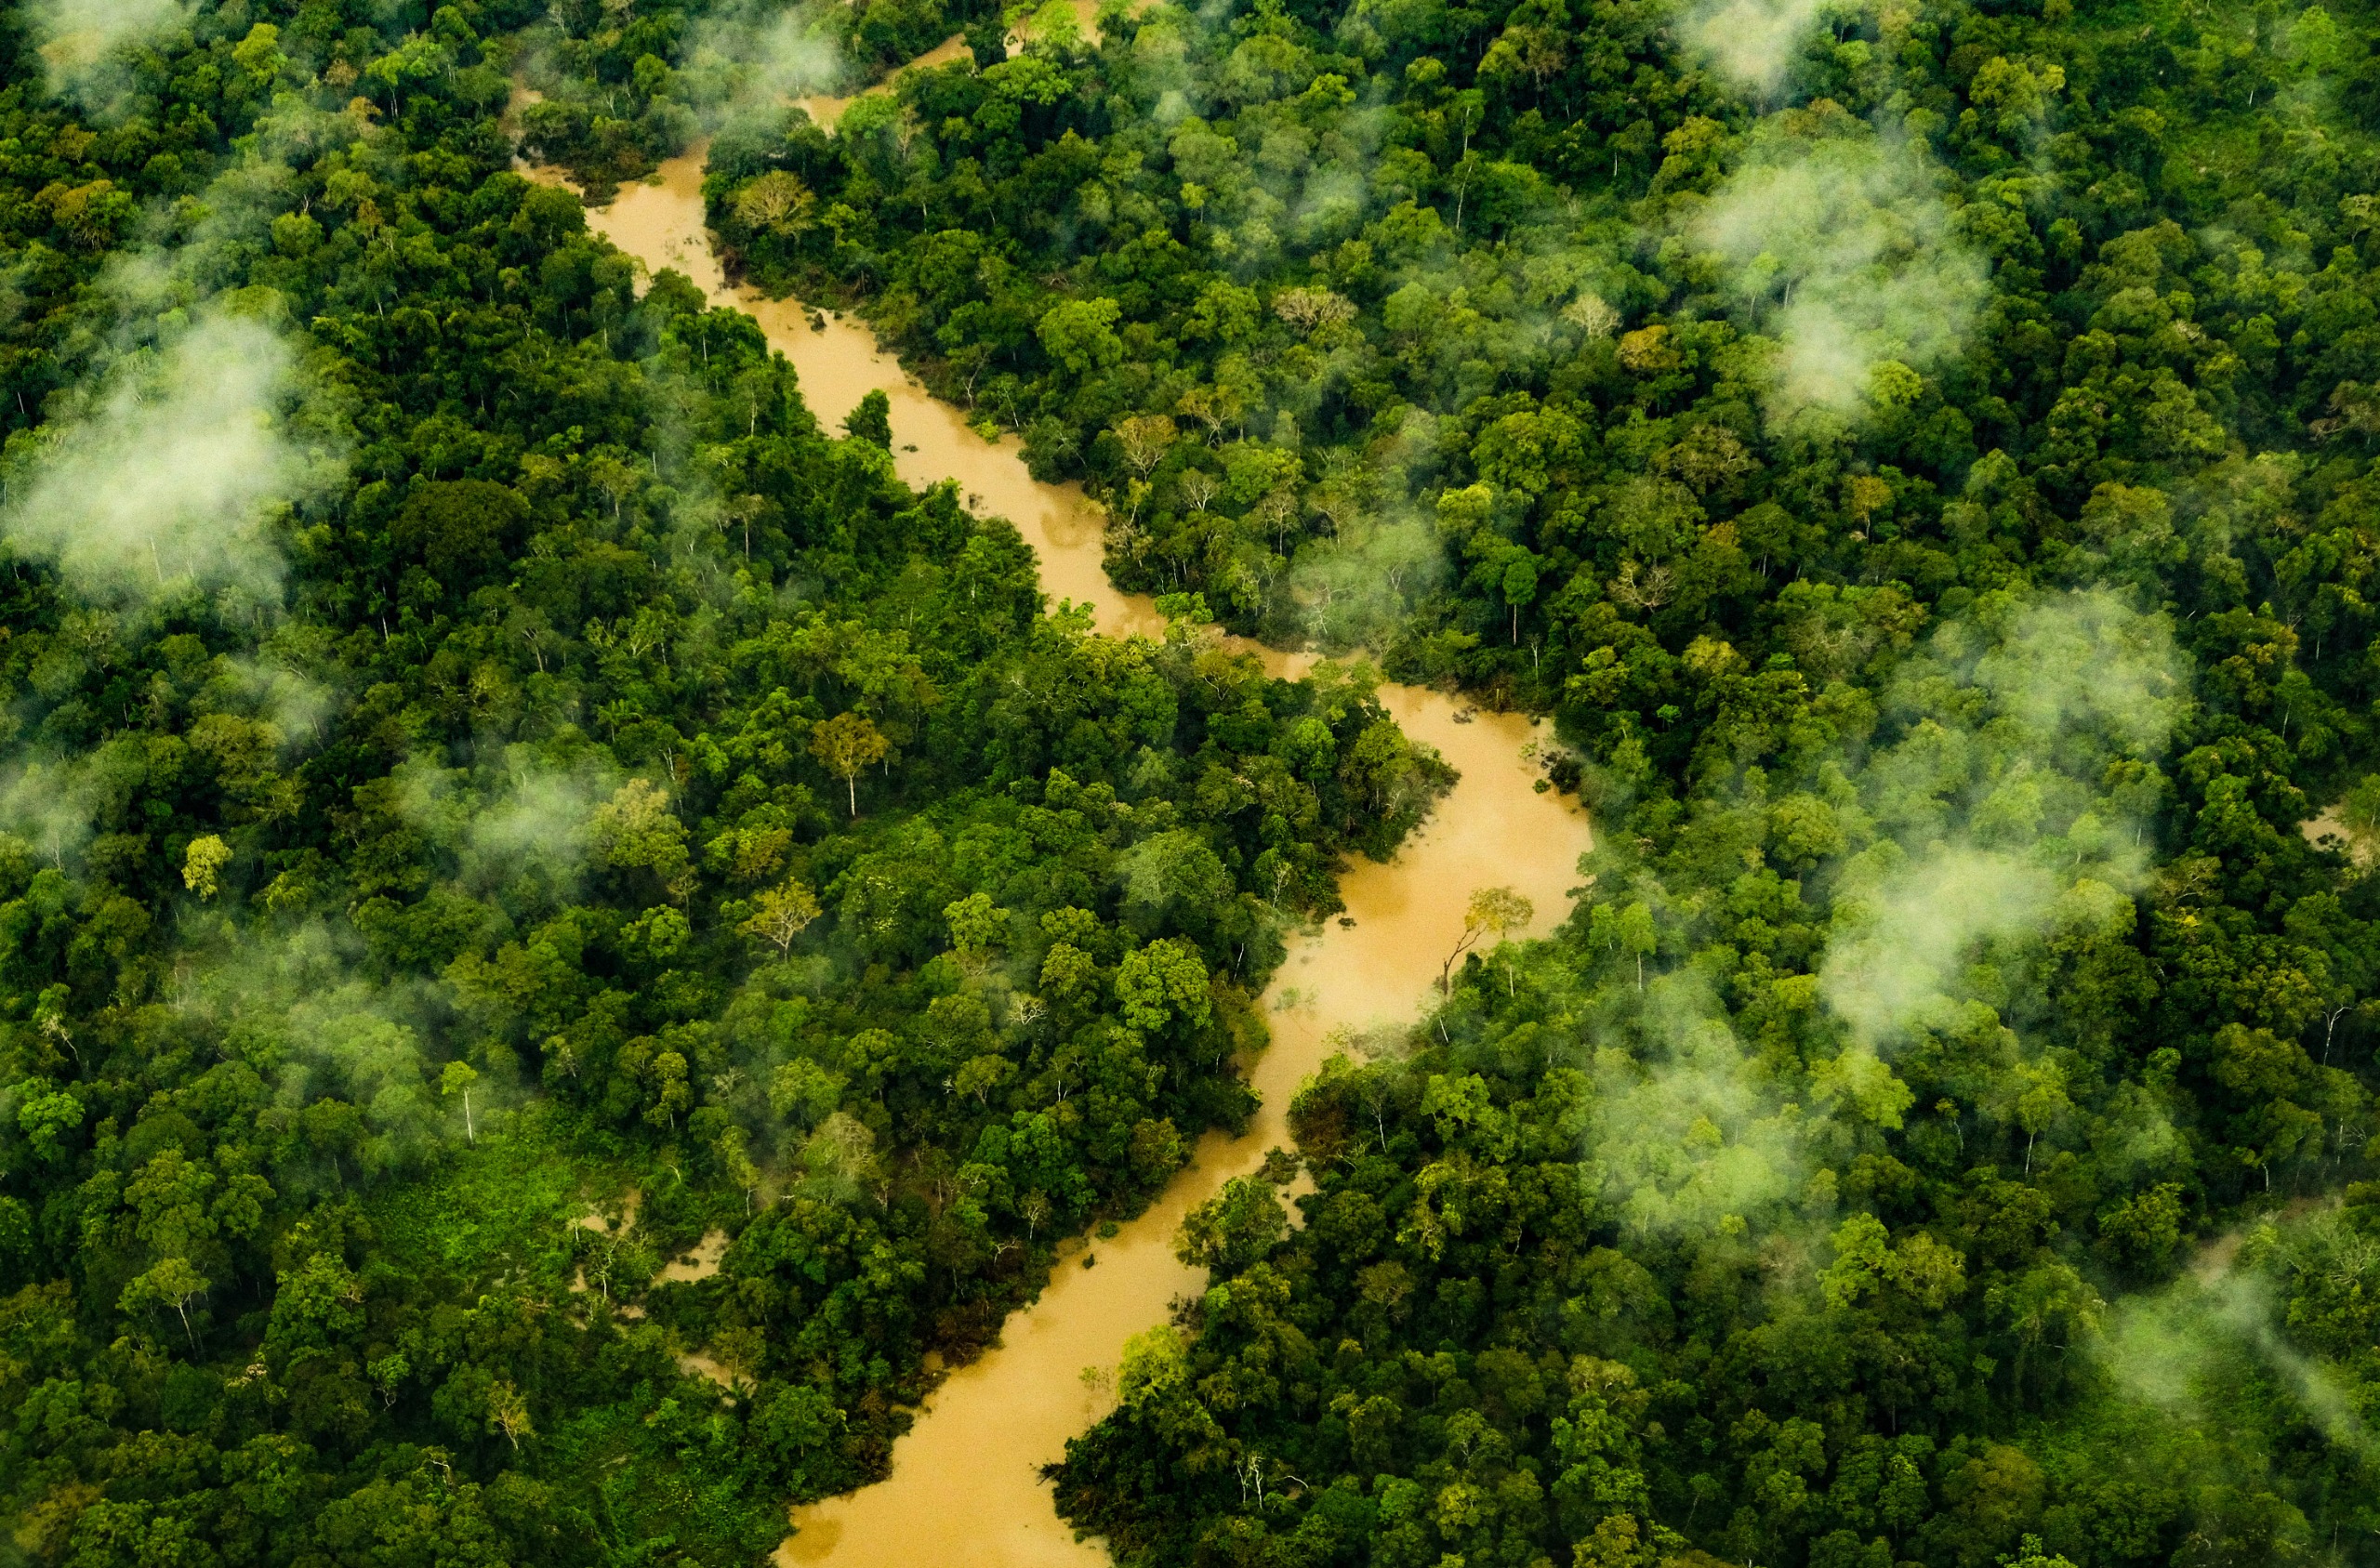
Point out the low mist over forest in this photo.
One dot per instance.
(573, 940)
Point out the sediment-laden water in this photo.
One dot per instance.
(966, 1483)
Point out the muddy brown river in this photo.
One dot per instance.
(966, 1483)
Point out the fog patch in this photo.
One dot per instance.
(2007, 830)
(540, 825)
(2195, 1346)
(79, 41)
(1843, 252)
(523, 832)
(50, 803)
(1990, 821)
(170, 479)
(1901, 942)
(1753, 42)
(300, 1011)
(2088, 662)
(1691, 1139)
(294, 703)
(766, 56)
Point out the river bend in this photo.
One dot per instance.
(966, 1485)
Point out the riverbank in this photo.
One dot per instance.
(966, 1483)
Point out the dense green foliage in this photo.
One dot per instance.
(1307, 294)
(622, 86)
(1796, 1199)
(482, 761)
(514, 763)
(1922, 457)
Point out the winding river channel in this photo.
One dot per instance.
(966, 1485)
